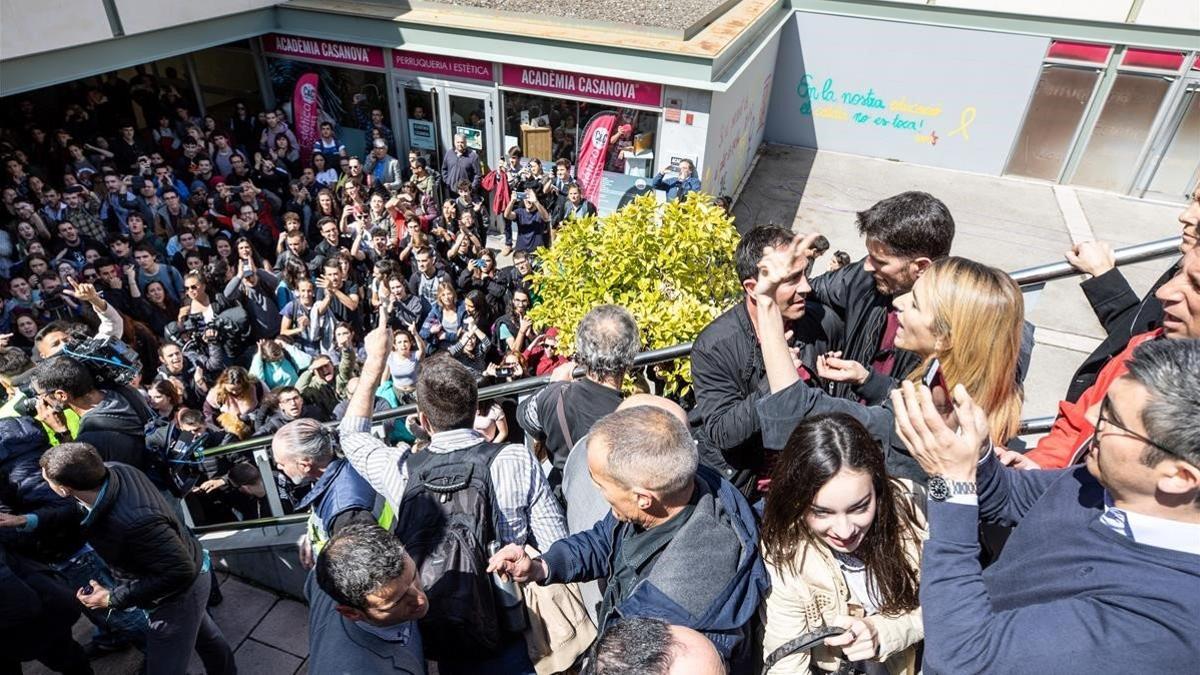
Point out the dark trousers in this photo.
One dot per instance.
(182, 624)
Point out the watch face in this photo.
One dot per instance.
(938, 489)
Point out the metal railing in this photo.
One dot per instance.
(1028, 278)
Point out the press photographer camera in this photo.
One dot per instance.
(91, 379)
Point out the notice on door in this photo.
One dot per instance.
(421, 135)
(474, 136)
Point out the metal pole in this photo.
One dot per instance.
(1125, 256)
(263, 462)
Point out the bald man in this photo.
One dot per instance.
(585, 505)
(654, 647)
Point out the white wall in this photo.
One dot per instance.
(682, 139)
(28, 27)
(737, 122)
(1095, 10)
(1179, 13)
(139, 16)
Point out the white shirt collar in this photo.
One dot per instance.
(1150, 530)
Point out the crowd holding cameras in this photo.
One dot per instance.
(838, 494)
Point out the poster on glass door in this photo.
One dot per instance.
(421, 135)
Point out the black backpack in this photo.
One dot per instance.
(445, 522)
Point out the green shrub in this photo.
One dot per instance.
(670, 265)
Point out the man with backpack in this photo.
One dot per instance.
(454, 499)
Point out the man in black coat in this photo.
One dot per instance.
(1117, 307)
(904, 234)
(157, 563)
(728, 373)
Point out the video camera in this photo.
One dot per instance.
(111, 362)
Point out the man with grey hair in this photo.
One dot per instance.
(304, 451)
(679, 544)
(1102, 571)
(461, 164)
(382, 168)
(606, 342)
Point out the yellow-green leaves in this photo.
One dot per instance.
(670, 265)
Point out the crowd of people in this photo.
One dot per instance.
(838, 495)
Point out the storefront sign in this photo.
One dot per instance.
(590, 163)
(306, 107)
(420, 135)
(471, 69)
(587, 86)
(323, 50)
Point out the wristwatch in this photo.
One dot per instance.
(941, 490)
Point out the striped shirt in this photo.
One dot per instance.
(524, 510)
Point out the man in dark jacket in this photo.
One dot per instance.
(459, 165)
(1118, 308)
(680, 543)
(904, 235)
(727, 365)
(113, 420)
(25, 501)
(606, 342)
(158, 564)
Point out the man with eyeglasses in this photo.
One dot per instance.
(1102, 571)
(1068, 439)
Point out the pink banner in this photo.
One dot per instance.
(589, 167)
(323, 50)
(306, 108)
(587, 86)
(471, 69)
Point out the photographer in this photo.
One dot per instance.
(51, 338)
(201, 325)
(113, 419)
(532, 220)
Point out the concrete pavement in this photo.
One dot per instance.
(1011, 223)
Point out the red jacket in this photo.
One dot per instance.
(1072, 429)
(497, 184)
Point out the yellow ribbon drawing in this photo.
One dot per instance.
(964, 121)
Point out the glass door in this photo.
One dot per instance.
(420, 122)
(1174, 171)
(469, 113)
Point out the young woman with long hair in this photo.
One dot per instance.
(841, 541)
(963, 318)
(235, 392)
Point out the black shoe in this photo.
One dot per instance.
(95, 650)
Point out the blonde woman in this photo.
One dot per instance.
(962, 318)
(236, 392)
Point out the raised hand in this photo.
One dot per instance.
(946, 448)
(781, 264)
(834, 368)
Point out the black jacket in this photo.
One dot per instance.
(1122, 315)
(152, 555)
(583, 403)
(117, 427)
(850, 293)
(728, 377)
(24, 491)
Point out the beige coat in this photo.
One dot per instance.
(811, 597)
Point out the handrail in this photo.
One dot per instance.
(251, 524)
(1036, 425)
(1150, 250)
(1028, 276)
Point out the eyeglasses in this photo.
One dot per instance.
(192, 287)
(1105, 416)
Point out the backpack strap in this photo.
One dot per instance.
(561, 414)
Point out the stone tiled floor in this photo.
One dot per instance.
(269, 635)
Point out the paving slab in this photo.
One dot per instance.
(244, 607)
(260, 659)
(285, 627)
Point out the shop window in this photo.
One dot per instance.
(1058, 105)
(1110, 158)
(347, 98)
(227, 74)
(549, 128)
(1176, 173)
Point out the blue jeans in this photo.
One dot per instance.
(510, 229)
(514, 660)
(116, 627)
